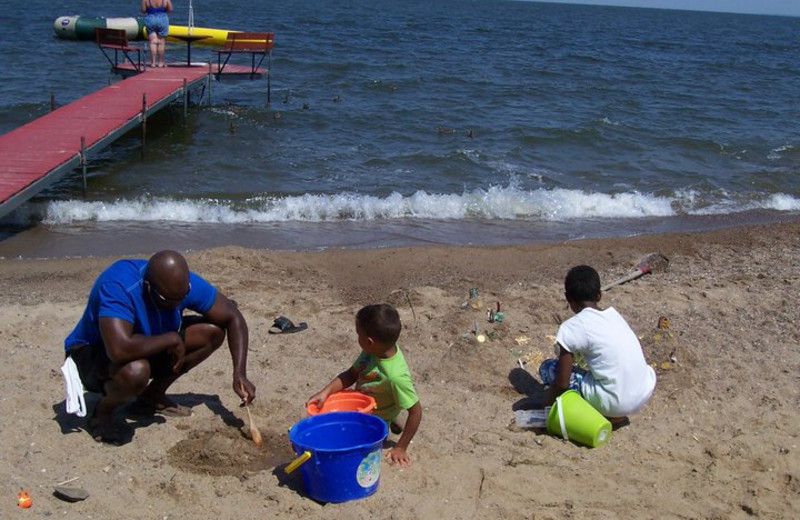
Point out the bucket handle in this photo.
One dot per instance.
(296, 463)
(561, 419)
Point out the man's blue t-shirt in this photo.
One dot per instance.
(119, 292)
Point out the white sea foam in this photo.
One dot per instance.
(783, 202)
(607, 121)
(777, 153)
(777, 202)
(504, 203)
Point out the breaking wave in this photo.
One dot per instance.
(498, 203)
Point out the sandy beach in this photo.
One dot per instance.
(719, 439)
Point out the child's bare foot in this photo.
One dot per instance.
(618, 422)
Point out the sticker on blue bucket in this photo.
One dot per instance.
(369, 471)
(345, 448)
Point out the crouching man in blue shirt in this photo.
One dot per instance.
(134, 342)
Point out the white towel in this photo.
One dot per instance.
(73, 388)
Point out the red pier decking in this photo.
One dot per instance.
(39, 153)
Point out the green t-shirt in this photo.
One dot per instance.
(388, 381)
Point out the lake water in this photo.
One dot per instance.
(448, 122)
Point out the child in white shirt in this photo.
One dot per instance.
(619, 381)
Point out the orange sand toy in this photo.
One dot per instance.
(24, 500)
(344, 401)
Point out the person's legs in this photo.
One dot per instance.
(125, 382)
(162, 47)
(547, 372)
(116, 383)
(152, 39)
(121, 384)
(201, 340)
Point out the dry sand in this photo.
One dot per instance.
(719, 439)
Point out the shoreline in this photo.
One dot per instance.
(718, 439)
(99, 239)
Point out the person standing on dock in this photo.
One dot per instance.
(156, 21)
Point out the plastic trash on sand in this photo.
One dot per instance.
(532, 418)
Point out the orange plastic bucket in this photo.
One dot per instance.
(344, 401)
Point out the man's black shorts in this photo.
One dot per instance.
(93, 366)
(93, 362)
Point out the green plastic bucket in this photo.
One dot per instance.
(574, 419)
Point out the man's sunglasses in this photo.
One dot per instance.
(164, 299)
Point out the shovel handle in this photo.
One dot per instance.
(641, 270)
(296, 463)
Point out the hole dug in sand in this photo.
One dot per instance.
(228, 452)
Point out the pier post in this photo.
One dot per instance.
(144, 123)
(209, 83)
(83, 164)
(269, 79)
(52, 100)
(185, 102)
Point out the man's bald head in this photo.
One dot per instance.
(168, 273)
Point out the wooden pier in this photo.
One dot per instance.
(41, 152)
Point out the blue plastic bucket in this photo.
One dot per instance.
(339, 454)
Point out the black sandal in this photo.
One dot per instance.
(283, 325)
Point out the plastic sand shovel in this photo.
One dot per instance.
(647, 265)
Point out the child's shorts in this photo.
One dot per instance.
(547, 371)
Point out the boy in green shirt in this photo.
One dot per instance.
(381, 372)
